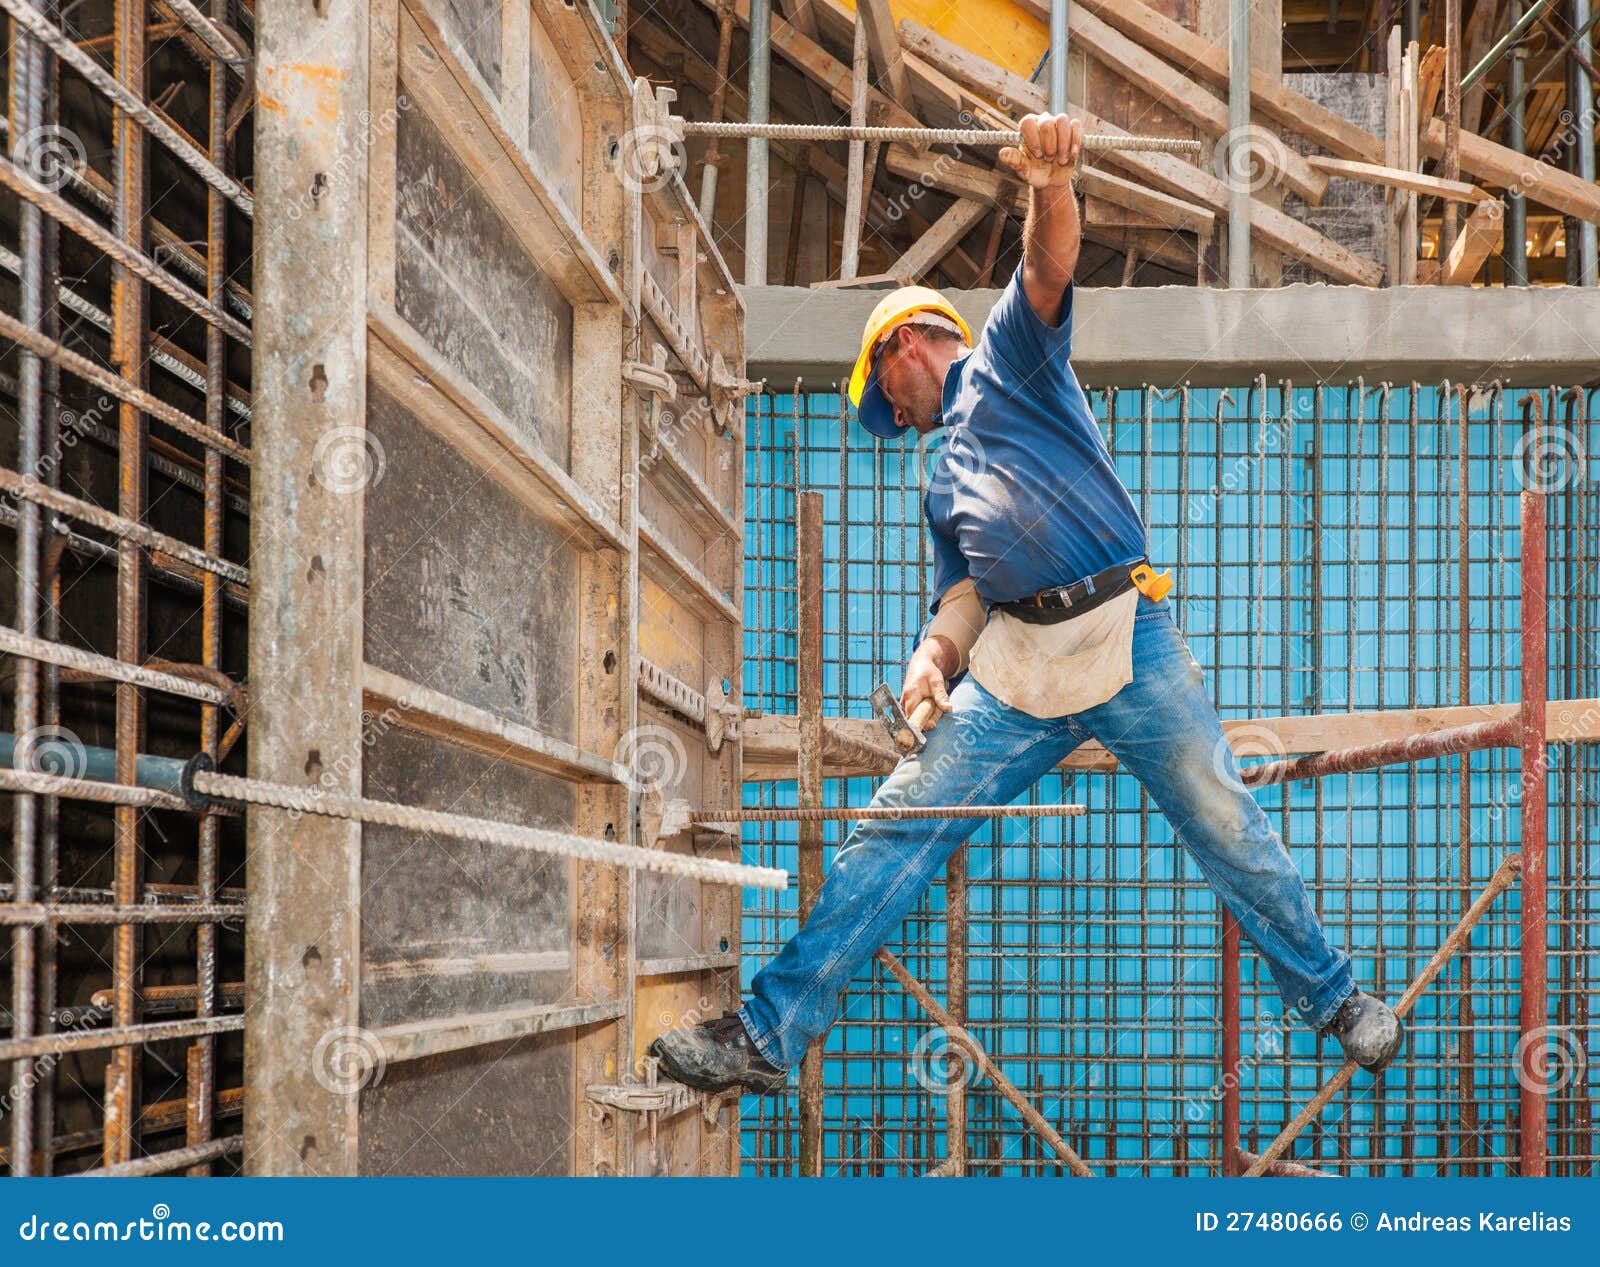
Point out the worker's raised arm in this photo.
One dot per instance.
(1047, 161)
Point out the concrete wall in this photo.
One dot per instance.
(1174, 334)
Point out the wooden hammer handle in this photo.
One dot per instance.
(922, 714)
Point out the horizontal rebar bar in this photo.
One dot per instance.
(926, 136)
(128, 1036)
(166, 1163)
(34, 22)
(1504, 732)
(41, 494)
(62, 212)
(21, 644)
(872, 813)
(487, 831)
(36, 784)
(35, 914)
(1510, 868)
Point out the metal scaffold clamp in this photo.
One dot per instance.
(728, 391)
(654, 146)
(654, 382)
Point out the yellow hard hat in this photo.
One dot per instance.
(875, 412)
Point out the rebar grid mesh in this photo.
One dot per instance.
(124, 400)
(1316, 537)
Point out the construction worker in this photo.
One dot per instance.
(1046, 594)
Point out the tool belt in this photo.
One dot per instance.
(1052, 606)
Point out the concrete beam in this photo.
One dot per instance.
(1168, 335)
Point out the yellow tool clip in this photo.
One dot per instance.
(1152, 585)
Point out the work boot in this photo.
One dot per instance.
(717, 1056)
(1367, 1029)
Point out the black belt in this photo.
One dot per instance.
(1051, 607)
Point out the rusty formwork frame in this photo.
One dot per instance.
(1523, 728)
(647, 499)
(649, 493)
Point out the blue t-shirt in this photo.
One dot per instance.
(1024, 496)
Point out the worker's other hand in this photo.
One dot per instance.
(925, 680)
(1050, 149)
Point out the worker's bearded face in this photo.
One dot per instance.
(911, 373)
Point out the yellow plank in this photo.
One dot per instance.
(996, 29)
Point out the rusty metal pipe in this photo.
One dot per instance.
(1503, 878)
(1502, 733)
(809, 599)
(958, 1034)
(1533, 1014)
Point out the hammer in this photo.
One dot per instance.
(906, 733)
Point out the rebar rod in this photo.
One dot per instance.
(31, 490)
(1507, 873)
(127, 102)
(310, 800)
(165, 1163)
(32, 781)
(959, 1034)
(137, 263)
(38, 915)
(20, 644)
(926, 136)
(123, 1036)
(882, 813)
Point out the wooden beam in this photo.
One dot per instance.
(1154, 77)
(1195, 55)
(936, 243)
(1503, 166)
(857, 746)
(1481, 235)
(1395, 178)
(884, 44)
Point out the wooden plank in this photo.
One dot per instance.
(1151, 75)
(1197, 56)
(1395, 178)
(969, 69)
(857, 746)
(936, 243)
(1482, 234)
(1501, 165)
(884, 45)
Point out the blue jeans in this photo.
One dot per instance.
(1162, 728)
